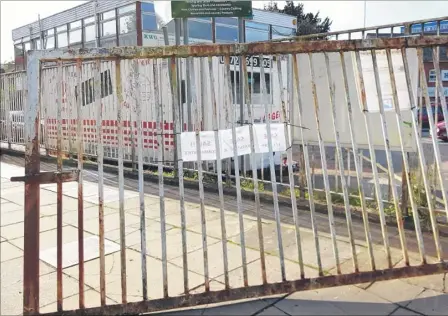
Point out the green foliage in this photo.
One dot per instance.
(248, 185)
(307, 23)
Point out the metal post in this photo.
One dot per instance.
(97, 33)
(177, 31)
(241, 39)
(188, 70)
(32, 191)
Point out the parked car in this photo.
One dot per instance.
(425, 121)
(441, 132)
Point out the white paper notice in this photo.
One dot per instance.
(242, 141)
(208, 146)
(277, 136)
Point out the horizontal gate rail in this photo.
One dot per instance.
(265, 48)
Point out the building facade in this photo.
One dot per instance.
(134, 23)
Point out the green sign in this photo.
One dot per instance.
(194, 9)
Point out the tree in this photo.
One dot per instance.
(307, 23)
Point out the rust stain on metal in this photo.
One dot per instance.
(249, 48)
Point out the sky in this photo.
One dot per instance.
(345, 14)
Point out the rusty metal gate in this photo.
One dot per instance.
(322, 88)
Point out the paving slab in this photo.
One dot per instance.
(12, 271)
(91, 299)
(396, 291)
(437, 282)
(173, 243)
(90, 212)
(14, 231)
(134, 276)
(273, 272)
(232, 225)
(13, 217)
(272, 311)
(216, 267)
(430, 302)
(8, 207)
(111, 222)
(48, 239)
(403, 312)
(9, 252)
(342, 300)
(70, 252)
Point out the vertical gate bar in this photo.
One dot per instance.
(69, 118)
(272, 169)
(340, 160)
(59, 187)
(349, 167)
(141, 186)
(306, 164)
(161, 149)
(248, 101)
(216, 124)
(390, 165)
(32, 190)
(399, 119)
(435, 58)
(80, 139)
(179, 128)
(324, 166)
(436, 62)
(100, 161)
(357, 160)
(120, 101)
(198, 122)
(7, 102)
(289, 161)
(236, 163)
(364, 110)
(434, 225)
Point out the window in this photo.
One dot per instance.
(254, 85)
(49, 42)
(62, 40)
(253, 35)
(75, 36)
(108, 28)
(432, 75)
(203, 18)
(88, 88)
(89, 33)
(108, 15)
(127, 24)
(228, 21)
(27, 46)
(75, 25)
(89, 20)
(258, 26)
(26, 39)
(126, 9)
(108, 42)
(61, 28)
(129, 39)
(279, 32)
(149, 22)
(200, 30)
(226, 34)
(148, 7)
(36, 43)
(18, 41)
(50, 32)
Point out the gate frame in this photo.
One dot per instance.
(33, 177)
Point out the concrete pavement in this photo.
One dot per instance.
(419, 295)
